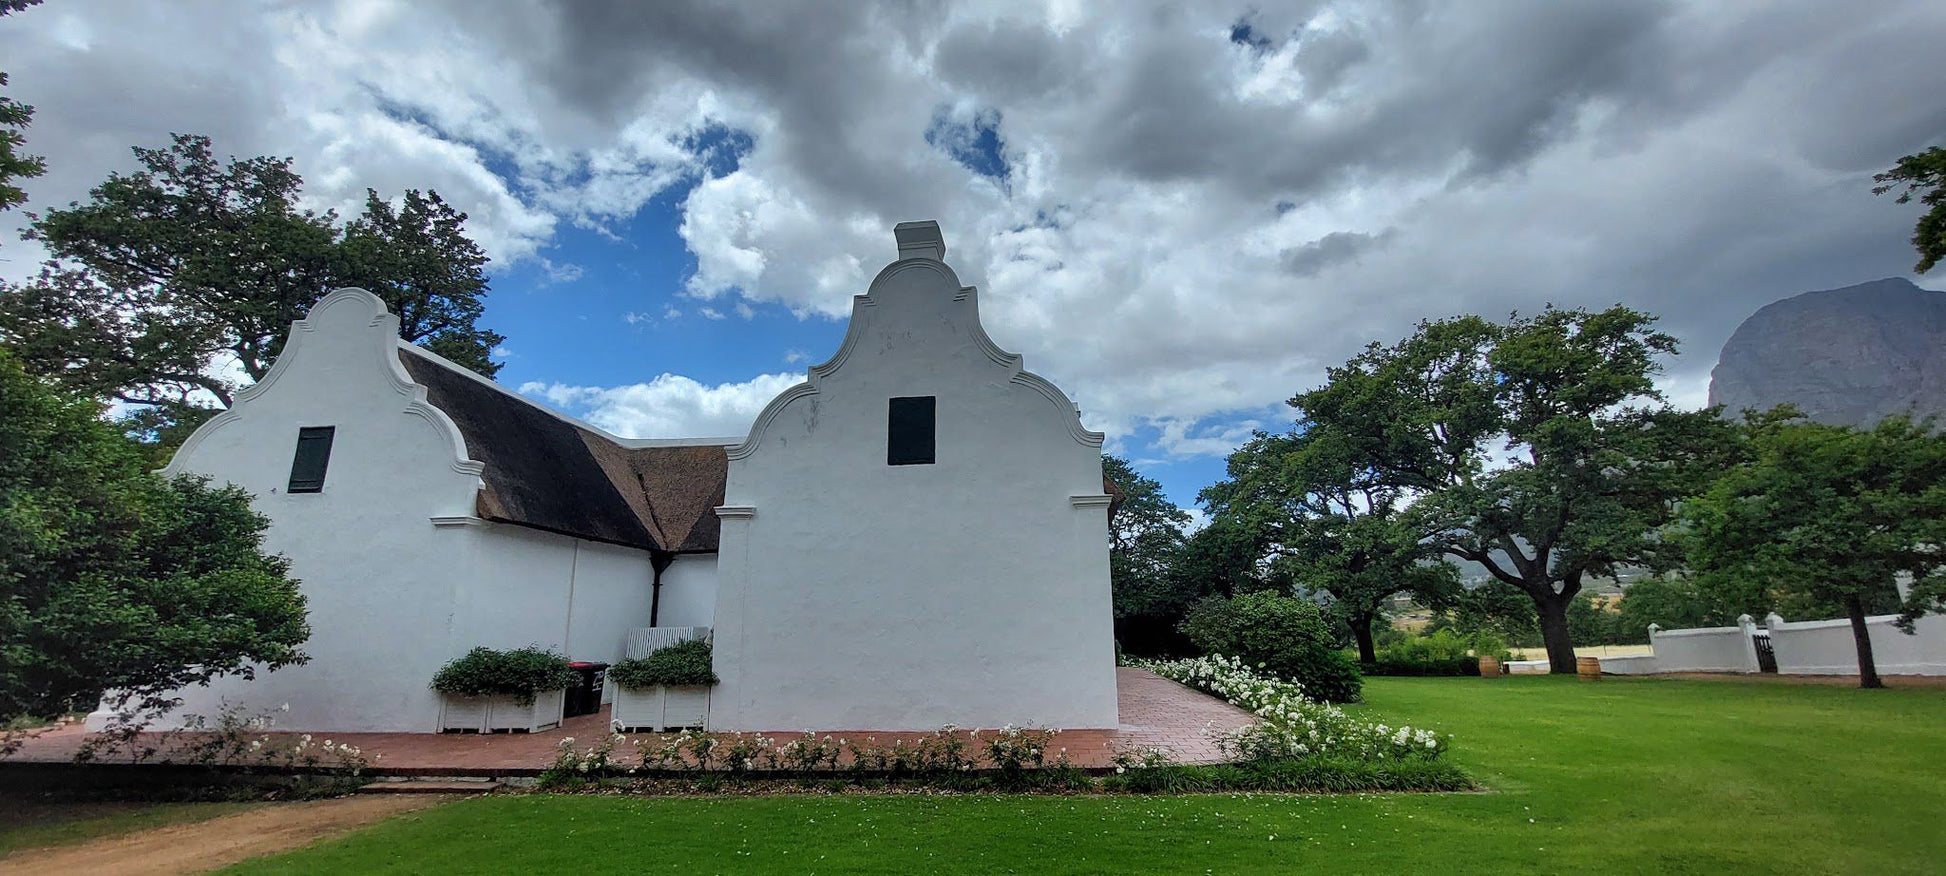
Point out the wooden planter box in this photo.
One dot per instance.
(501, 714)
(661, 708)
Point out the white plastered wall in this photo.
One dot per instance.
(569, 595)
(379, 579)
(1706, 649)
(612, 587)
(974, 591)
(397, 574)
(688, 592)
(1826, 647)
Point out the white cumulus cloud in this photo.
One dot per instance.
(670, 406)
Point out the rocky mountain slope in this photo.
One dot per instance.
(1848, 356)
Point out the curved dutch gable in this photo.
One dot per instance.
(350, 305)
(963, 306)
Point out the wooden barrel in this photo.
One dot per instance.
(1489, 667)
(1589, 668)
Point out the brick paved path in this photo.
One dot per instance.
(1153, 712)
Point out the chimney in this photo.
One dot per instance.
(920, 240)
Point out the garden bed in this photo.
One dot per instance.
(1296, 745)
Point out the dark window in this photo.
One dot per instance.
(313, 454)
(909, 431)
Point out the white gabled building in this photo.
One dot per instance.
(914, 536)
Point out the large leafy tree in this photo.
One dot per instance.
(1922, 175)
(14, 116)
(1146, 541)
(1330, 521)
(114, 578)
(1224, 558)
(418, 258)
(1540, 448)
(174, 284)
(1490, 609)
(1831, 514)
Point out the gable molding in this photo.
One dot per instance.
(383, 324)
(862, 307)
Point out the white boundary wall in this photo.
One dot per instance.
(1641, 665)
(1825, 647)
(1707, 649)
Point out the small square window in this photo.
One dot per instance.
(313, 455)
(909, 431)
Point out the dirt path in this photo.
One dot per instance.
(219, 842)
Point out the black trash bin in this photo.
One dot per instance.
(584, 697)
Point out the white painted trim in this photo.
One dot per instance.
(861, 309)
(208, 428)
(1696, 631)
(1010, 361)
(770, 412)
(855, 329)
(1062, 403)
(1775, 621)
(735, 512)
(1101, 500)
(380, 319)
(461, 520)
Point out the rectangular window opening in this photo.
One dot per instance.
(313, 455)
(909, 431)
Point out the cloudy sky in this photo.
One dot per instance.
(1180, 215)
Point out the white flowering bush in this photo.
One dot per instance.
(1293, 726)
(1150, 757)
(573, 767)
(1013, 749)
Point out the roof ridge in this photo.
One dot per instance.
(554, 472)
(501, 388)
(570, 419)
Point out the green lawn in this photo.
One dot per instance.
(30, 823)
(1619, 775)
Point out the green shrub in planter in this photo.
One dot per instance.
(681, 664)
(520, 673)
(1284, 635)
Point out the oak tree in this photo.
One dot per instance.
(1921, 175)
(1146, 540)
(174, 285)
(1539, 448)
(1331, 522)
(1830, 514)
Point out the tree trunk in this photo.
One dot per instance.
(1867, 668)
(1554, 633)
(1361, 630)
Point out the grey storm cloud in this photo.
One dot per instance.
(1225, 217)
(1336, 248)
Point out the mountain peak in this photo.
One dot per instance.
(1848, 356)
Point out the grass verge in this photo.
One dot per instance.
(27, 823)
(1615, 776)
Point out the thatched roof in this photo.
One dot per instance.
(545, 471)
